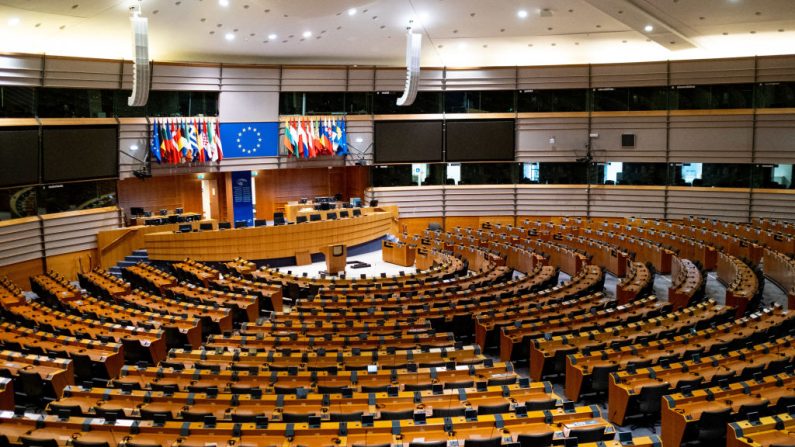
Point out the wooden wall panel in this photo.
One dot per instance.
(21, 271)
(167, 192)
(69, 264)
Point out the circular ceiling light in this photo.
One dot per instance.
(522, 14)
(307, 34)
(13, 21)
(229, 36)
(223, 2)
(352, 12)
(272, 36)
(648, 28)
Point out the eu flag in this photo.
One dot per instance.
(241, 140)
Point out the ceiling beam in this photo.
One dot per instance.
(637, 14)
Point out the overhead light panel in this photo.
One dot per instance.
(522, 14)
(272, 36)
(13, 21)
(307, 34)
(223, 2)
(229, 36)
(352, 12)
(648, 28)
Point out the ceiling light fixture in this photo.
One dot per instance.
(223, 2)
(648, 28)
(352, 12)
(13, 21)
(522, 14)
(229, 36)
(307, 34)
(272, 36)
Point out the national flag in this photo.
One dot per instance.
(327, 136)
(205, 141)
(211, 141)
(184, 137)
(218, 146)
(302, 144)
(155, 148)
(168, 142)
(192, 141)
(288, 144)
(343, 138)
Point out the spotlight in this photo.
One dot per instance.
(648, 28)
(522, 14)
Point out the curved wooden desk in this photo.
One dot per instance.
(270, 242)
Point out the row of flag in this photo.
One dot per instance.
(186, 140)
(309, 137)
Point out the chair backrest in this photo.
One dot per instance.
(600, 378)
(712, 425)
(534, 405)
(28, 441)
(587, 434)
(300, 219)
(650, 396)
(483, 442)
(396, 415)
(428, 444)
(346, 417)
(494, 409)
(296, 417)
(535, 439)
(314, 217)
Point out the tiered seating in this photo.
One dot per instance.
(687, 283)
(773, 431)
(628, 389)
(581, 367)
(548, 354)
(638, 283)
(179, 331)
(780, 268)
(210, 278)
(742, 285)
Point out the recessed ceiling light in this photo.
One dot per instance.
(272, 36)
(13, 21)
(229, 36)
(307, 34)
(462, 45)
(223, 2)
(352, 12)
(648, 28)
(522, 14)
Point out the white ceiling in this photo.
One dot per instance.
(456, 32)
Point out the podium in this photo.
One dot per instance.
(397, 253)
(336, 258)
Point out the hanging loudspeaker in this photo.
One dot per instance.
(141, 69)
(413, 46)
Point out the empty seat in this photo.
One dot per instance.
(296, 417)
(535, 439)
(34, 441)
(587, 434)
(483, 442)
(397, 415)
(449, 412)
(544, 404)
(494, 409)
(712, 425)
(347, 417)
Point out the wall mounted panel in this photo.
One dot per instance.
(250, 79)
(721, 204)
(551, 200)
(411, 201)
(481, 79)
(21, 70)
(650, 138)
(773, 204)
(644, 74)
(82, 73)
(533, 139)
(186, 77)
(716, 138)
(486, 200)
(316, 79)
(775, 139)
(553, 77)
(712, 71)
(637, 201)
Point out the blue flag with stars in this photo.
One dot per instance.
(241, 140)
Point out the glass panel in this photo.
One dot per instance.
(618, 173)
(168, 103)
(75, 103)
(774, 176)
(489, 173)
(359, 103)
(563, 173)
(17, 202)
(200, 103)
(76, 196)
(163, 103)
(633, 98)
(711, 175)
(775, 95)
(17, 102)
(568, 100)
(318, 103)
(453, 174)
(291, 103)
(499, 101)
(427, 174)
(426, 102)
(722, 96)
(530, 173)
(392, 175)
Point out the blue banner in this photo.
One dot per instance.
(242, 203)
(242, 140)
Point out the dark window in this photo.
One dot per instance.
(426, 102)
(496, 101)
(489, 173)
(721, 96)
(75, 103)
(18, 202)
(563, 173)
(76, 196)
(19, 156)
(17, 102)
(393, 175)
(121, 109)
(775, 95)
(568, 100)
(711, 175)
(778, 176)
(71, 153)
(171, 103)
(359, 103)
(631, 98)
(620, 173)
(318, 103)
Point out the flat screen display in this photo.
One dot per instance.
(480, 140)
(79, 153)
(408, 141)
(19, 157)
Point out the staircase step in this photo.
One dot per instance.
(141, 252)
(123, 264)
(136, 258)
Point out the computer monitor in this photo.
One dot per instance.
(278, 219)
(164, 212)
(317, 207)
(241, 223)
(147, 214)
(136, 211)
(356, 202)
(301, 219)
(343, 214)
(185, 228)
(346, 205)
(303, 200)
(357, 212)
(173, 218)
(331, 216)
(179, 211)
(314, 217)
(260, 223)
(325, 206)
(204, 226)
(224, 225)
(374, 203)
